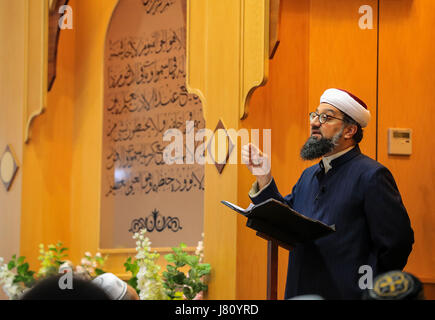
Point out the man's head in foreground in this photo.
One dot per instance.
(51, 289)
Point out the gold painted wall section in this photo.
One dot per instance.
(61, 167)
(12, 89)
(344, 56)
(227, 51)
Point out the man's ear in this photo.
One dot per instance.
(349, 131)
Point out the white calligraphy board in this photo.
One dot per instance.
(145, 95)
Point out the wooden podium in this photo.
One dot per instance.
(272, 264)
(280, 226)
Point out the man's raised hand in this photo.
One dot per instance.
(257, 163)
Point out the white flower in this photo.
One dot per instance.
(149, 281)
(98, 255)
(7, 277)
(80, 269)
(13, 291)
(140, 255)
(88, 254)
(200, 250)
(85, 262)
(66, 265)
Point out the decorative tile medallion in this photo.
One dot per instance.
(230, 147)
(8, 167)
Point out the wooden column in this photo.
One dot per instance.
(227, 57)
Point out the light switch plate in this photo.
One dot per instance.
(399, 141)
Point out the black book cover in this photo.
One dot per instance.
(277, 220)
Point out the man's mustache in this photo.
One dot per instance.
(316, 131)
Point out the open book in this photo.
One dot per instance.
(277, 220)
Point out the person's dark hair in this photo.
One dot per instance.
(49, 289)
(358, 136)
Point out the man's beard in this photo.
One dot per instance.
(315, 148)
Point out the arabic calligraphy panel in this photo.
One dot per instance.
(144, 96)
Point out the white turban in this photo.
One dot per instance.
(347, 103)
(112, 285)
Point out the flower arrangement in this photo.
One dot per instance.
(15, 283)
(175, 284)
(91, 265)
(16, 278)
(51, 260)
(185, 276)
(149, 281)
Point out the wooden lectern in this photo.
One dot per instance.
(283, 227)
(272, 264)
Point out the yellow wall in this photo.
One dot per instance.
(12, 90)
(406, 96)
(61, 183)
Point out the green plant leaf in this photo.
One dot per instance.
(179, 278)
(178, 296)
(171, 268)
(11, 264)
(99, 272)
(18, 279)
(192, 274)
(23, 268)
(29, 282)
(192, 260)
(188, 293)
(170, 257)
(59, 262)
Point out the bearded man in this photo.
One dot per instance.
(346, 189)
